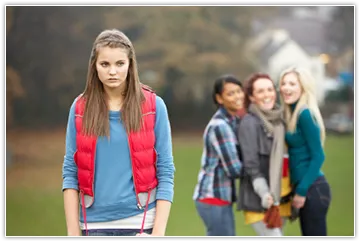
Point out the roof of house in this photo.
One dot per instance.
(310, 34)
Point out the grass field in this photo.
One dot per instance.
(34, 203)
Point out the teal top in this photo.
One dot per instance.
(306, 154)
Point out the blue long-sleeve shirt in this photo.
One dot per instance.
(306, 153)
(113, 184)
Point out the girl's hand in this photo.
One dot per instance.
(267, 201)
(298, 201)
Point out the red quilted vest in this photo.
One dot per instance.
(142, 153)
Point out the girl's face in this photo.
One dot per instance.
(232, 97)
(112, 66)
(290, 88)
(264, 94)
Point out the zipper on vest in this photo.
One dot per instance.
(132, 168)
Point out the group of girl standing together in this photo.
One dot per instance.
(275, 151)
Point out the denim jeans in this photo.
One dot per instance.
(313, 214)
(218, 220)
(114, 232)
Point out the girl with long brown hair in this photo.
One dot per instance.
(118, 162)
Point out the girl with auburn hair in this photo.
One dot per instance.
(305, 137)
(118, 161)
(265, 191)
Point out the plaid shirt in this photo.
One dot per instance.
(220, 163)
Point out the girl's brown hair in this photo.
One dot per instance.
(96, 113)
(249, 86)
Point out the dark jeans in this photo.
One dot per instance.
(218, 220)
(313, 214)
(114, 232)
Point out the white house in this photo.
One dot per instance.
(273, 51)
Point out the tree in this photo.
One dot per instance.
(14, 88)
(341, 29)
(50, 47)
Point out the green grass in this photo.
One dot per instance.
(34, 213)
(40, 213)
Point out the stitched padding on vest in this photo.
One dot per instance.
(84, 156)
(143, 154)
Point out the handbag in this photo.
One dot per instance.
(272, 217)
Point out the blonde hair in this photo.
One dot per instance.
(307, 98)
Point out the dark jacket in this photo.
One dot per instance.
(255, 146)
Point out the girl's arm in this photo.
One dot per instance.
(248, 135)
(70, 180)
(161, 217)
(164, 167)
(312, 136)
(71, 206)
